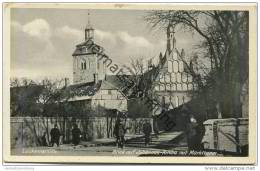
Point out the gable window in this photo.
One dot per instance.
(184, 86)
(175, 66)
(173, 87)
(161, 78)
(176, 101)
(162, 87)
(181, 66)
(157, 87)
(169, 66)
(179, 87)
(167, 78)
(190, 86)
(168, 87)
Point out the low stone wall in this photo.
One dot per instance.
(27, 131)
(229, 135)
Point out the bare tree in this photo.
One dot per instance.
(36, 100)
(138, 84)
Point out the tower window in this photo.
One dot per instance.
(82, 65)
(85, 65)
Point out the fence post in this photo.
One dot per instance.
(107, 126)
(22, 133)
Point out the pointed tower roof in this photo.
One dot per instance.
(89, 26)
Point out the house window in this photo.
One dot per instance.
(109, 92)
(104, 91)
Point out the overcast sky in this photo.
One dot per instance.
(43, 40)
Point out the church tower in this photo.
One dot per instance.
(171, 41)
(86, 66)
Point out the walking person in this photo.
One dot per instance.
(76, 133)
(119, 133)
(155, 126)
(191, 132)
(55, 136)
(147, 129)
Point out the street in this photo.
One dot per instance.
(169, 143)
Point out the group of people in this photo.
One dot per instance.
(191, 126)
(120, 130)
(56, 136)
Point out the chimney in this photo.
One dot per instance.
(43, 82)
(66, 82)
(182, 54)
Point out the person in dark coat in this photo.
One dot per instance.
(76, 135)
(147, 129)
(55, 135)
(155, 126)
(119, 133)
(191, 132)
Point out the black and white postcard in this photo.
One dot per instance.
(129, 83)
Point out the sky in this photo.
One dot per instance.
(43, 40)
